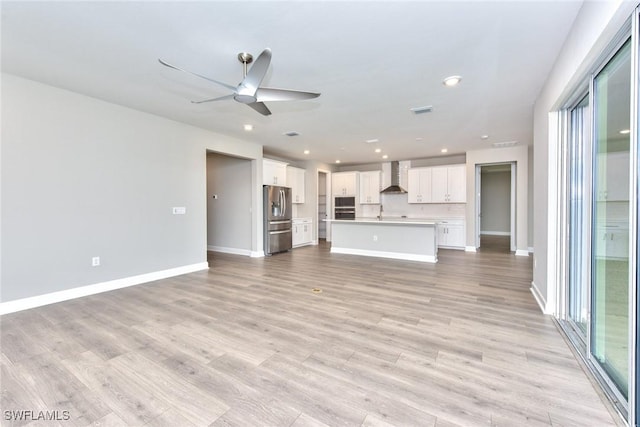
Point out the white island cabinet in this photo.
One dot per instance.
(407, 239)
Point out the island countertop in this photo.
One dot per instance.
(390, 220)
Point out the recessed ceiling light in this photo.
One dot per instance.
(484, 136)
(306, 151)
(385, 157)
(248, 127)
(444, 150)
(337, 161)
(451, 81)
(625, 131)
(418, 139)
(378, 150)
(371, 141)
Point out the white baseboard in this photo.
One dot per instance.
(236, 251)
(82, 291)
(522, 252)
(470, 249)
(495, 233)
(540, 299)
(232, 251)
(382, 254)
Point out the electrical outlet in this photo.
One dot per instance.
(375, 238)
(179, 210)
(95, 261)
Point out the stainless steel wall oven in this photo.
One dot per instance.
(344, 208)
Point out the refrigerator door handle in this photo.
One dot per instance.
(284, 203)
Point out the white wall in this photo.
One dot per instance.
(84, 178)
(229, 214)
(594, 27)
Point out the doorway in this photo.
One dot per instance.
(495, 225)
(229, 204)
(323, 204)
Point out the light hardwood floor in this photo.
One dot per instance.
(248, 343)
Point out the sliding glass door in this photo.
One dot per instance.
(599, 236)
(610, 220)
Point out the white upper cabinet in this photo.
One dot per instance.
(419, 185)
(344, 184)
(439, 184)
(448, 184)
(295, 180)
(370, 187)
(274, 172)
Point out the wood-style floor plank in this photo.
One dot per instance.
(248, 343)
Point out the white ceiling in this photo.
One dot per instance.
(371, 61)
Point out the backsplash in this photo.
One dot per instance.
(397, 205)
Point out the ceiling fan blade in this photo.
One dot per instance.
(260, 108)
(221, 98)
(272, 94)
(256, 73)
(166, 64)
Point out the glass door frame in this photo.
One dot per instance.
(634, 228)
(578, 338)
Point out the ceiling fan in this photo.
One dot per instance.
(249, 91)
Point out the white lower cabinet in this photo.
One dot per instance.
(302, 232)
(451, 234)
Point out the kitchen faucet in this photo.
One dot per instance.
(380, 214)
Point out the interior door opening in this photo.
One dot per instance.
(229, 197)
(323, 205)
(495, 207)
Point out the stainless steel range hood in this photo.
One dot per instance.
(394, 188)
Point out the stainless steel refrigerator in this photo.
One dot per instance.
(277, 219)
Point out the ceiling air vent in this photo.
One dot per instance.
(505, 144)
(422, 110)
(292, 133)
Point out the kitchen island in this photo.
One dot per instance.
(399, 238)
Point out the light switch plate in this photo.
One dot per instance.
(179, 210)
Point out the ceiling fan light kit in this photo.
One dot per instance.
(249, 91)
